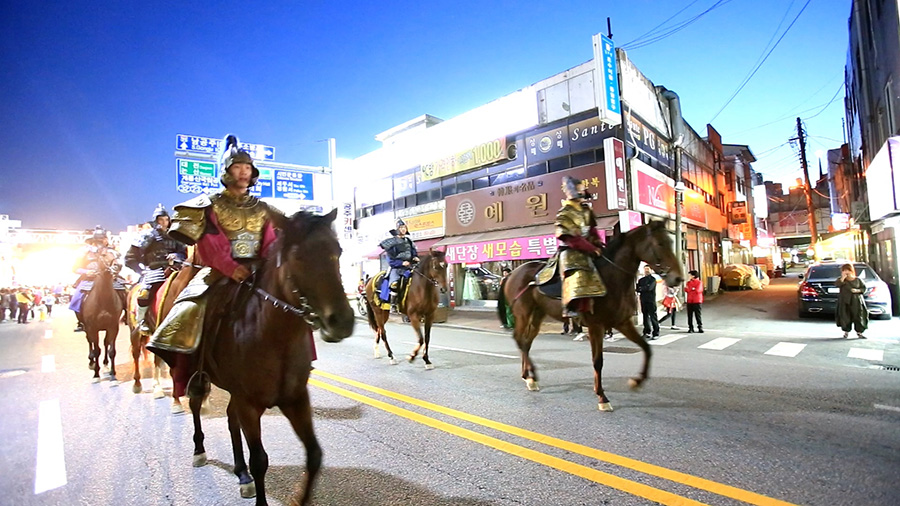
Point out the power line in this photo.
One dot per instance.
(826, 105)
(676, 28)
(753, 72)
(659, 25)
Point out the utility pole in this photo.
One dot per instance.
(813, 233)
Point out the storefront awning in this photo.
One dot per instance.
(607, 222)
(422, 245)
(512, 233)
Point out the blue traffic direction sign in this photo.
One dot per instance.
(196, 176)
(210, 146)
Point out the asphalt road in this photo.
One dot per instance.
(719, 422)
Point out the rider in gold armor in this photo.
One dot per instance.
(232, 232)
(576, 228)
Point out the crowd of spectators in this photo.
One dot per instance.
(26, 303)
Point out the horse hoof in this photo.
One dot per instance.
(532, 385)
(634, 383)
(158, 392)
(248, 490)
(95, 380)
(199, 460)
(177, 408)
(113, 382)
(377, 352)
(136, 388)
(429, 367)
(393, 361)
(604, 406)
(410, 358)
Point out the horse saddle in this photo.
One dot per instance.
(403, 291)
(547, 280)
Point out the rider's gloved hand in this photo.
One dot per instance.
(406, 263)
(240, 273)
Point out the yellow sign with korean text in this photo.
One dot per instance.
(482, 154)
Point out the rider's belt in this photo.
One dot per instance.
(245, 245)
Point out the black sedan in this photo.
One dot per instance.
(817, 293)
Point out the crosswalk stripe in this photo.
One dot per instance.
(719, 343)
(48, 334)
(48, 363)
(784, 349)
(866, 354)
(664, 340)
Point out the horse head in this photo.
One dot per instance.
(307, 269)
(434, 267)
(654, 247)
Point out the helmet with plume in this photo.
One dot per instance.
(160, 211)
(231, 154)
(400, 223)
(570, 188)
(98, 235)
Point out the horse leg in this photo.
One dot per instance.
(94, 342)
(383, 331)
(136, 347)
(526, 329)
(596, 331)
(248, 488)
(199, 458)
(158, 365)
(110, 344)
(249, 416)
(300, 415)
(629, 331)
(416, 323)
(429, 318)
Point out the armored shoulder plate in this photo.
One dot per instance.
(189, 220)
(144, 239)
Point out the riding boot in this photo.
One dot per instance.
(80, 326)
(394, 302)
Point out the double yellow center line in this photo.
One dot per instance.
(628, 486)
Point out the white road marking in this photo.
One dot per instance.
(866, 354)
(48, 334)
(664, 340)
(48, 363)
(473, 352)
(719, 343)
(50, 471)
(786, 349)
(889, 408)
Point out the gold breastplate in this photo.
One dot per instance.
(242, 220)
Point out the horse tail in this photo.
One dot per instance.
(370, 312)
(501, 302)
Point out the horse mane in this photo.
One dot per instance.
(420, 266)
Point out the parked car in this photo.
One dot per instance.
(817, 293)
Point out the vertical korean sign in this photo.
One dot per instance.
(606, 83)
(614, 165)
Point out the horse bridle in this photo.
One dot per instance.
(432, 280)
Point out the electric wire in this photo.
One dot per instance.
(676, 28)
(759, 65)
(828, 104)
(652, 30)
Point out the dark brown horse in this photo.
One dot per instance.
(257, 344)
(101, 311)
(421, 301)
(618, 267)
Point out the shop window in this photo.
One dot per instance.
(579, 159)
(464, 186)
(537, 169)
(481, 182)
(411, 201)
(399, 203)
(558, 164)
(434, 195)
(448, 189)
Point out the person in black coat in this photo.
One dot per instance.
(646, 288)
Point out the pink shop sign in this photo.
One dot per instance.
(526, 248)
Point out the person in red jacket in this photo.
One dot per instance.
(694, 289)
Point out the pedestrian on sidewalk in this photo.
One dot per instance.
(672, 305)
(510, 322)
(851, 307)
(23, 300)
(694, 289)
(646, 287)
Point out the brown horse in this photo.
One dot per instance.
(257, 344)
(101, 311)
(618, 267)
(419, 305)
(162, 303)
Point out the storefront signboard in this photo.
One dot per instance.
(614, 158)
(476, 156)
(654, 193)
(550, 143)
(629, 220)
(526, 202)
(526, 248)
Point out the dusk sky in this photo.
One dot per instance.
(94, 93)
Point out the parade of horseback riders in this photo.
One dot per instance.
(231, 291)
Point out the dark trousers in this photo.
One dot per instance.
(694, 309)
(23, 312)
(670, 314)
(650, 321)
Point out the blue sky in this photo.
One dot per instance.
(93, 96)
